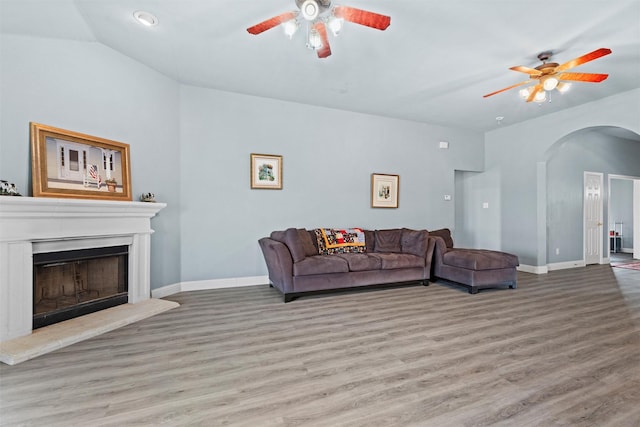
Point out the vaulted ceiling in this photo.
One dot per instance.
(433, 64)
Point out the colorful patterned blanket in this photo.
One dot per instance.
(340, 240)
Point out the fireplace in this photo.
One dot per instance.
(33, 228)
(69, 284)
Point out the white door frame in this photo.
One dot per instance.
(636, 211)
(636, 218)
(600, 209)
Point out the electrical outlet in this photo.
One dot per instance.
(447, 197)
(557, 251)
(485, 205)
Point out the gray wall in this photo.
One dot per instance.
(89, 88)
(191, 146)
(515, 157)
(588, 150)
(329, 157)
(621, 209)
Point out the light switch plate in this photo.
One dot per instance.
(444, 144)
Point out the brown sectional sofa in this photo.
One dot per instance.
(392, 256)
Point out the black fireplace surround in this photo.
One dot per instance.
(69, 284)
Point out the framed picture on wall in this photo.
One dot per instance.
(384, 190)
(74, 165)
(266, 171)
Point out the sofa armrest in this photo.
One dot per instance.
(440, 248)
(279, 263)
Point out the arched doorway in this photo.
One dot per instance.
(602, 150)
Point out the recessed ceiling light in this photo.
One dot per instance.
(145, 18)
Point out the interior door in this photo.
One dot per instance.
(593, 206)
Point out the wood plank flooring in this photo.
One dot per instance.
(561, 350)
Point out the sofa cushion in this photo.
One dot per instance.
(370, 240)
(479, 259)
(388, 240)
(278, 236)
(445, 233)
(414, 242)
(391, 261)
(320, 264)
(340, 240)
(307, 242)
(362, 262)
(294, 243)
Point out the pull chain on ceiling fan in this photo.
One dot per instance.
(551, 75)
(319, 15)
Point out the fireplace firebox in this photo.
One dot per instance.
(73, 283)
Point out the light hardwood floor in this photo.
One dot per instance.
(561, 350)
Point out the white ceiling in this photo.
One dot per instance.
(433, 63)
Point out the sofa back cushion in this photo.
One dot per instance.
(293, 238)
(414, 242)
(370, 240)
(388, 240)
(445, 233)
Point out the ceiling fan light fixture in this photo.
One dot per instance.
(541, 96)
(290, 27)
(335, 24)
(550, 83)
(145, 18)
(314, 42)
(310, 9)
(563, 87)
(524, 93)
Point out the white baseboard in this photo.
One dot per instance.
(565, 265)
(534, 269)
(201, 285)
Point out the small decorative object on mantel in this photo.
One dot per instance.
(148, 197)
(7, 189)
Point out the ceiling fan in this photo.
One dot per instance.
(318, 15)
(551, 75)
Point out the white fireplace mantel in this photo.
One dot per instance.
(30, 225)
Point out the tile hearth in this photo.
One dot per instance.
(59, 335)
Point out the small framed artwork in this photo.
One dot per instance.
(74, 165)
(266, 171)
(384, 190)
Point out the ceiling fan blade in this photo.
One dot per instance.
(506, 88)
(271, 22)
(531, 71)
(362, 17)
(584, 58)
(537, 88)
(583, 77)
(325, 50)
